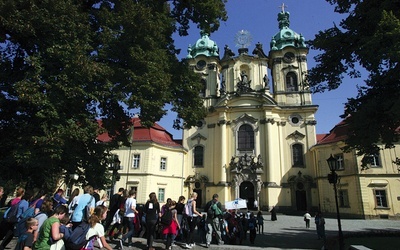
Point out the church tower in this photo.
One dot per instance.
(288, 64)
(253, 145)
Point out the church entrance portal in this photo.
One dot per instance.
(247, 193)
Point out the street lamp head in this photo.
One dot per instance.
(332, 163)
(74, 177)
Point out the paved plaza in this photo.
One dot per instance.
(290, 232)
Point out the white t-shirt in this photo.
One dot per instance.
(101, 202)
(130, 202)
(97, 230)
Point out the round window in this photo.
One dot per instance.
(201, 64)
(295, 119)
(200, 124)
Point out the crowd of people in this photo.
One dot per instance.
(119, 219)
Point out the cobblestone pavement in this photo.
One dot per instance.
(288, 232)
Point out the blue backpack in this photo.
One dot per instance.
(77, 238)
(11, 213)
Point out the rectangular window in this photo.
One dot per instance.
(161, 194)
(163, 163)
(374, 160)
(297, 151)
(136, 161)
(198, 156)
(245, 138)
(340, 161)
(343, 198)
(381, 199)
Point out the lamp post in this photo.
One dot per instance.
(333, 179)
(115, 166)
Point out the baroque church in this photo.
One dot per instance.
(254, 142)
(258, 143)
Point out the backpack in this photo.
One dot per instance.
(188, 211)
(86, 210)
(11, 213)
(213, 211)
(166, 218)
(77, 238)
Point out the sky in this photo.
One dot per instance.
(259, 18)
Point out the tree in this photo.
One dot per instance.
(64, 65)
(368, 37)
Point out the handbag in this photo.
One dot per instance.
(58, 245)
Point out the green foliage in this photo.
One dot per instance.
(66, 64)
(368, 37)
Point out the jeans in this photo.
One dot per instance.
(128, 221)
(151, 228)
(213, 226)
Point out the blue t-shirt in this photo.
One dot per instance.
(83, 200)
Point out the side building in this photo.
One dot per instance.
(153, 163)
(368, 185)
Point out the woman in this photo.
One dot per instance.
(44, 213)
(180, 205)
(103, 201)
(192, 216)
(171, 230)
(260, 222)
(59, 198)
(97, 229)
(23, 198)
(50, 230)
(152, 211)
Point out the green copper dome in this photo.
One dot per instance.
(286, 37)
(204, 46)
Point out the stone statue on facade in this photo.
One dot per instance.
(244, 82)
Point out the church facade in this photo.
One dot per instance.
(254, 143)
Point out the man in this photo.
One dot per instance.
(115, 203)
(84, 199)
(214, 214)
(129, 217)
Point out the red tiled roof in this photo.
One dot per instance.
(155, 133)
(338, 133)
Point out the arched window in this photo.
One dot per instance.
(297, 152)
(198, 156)
(291, 82)
(245, 138)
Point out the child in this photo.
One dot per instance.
(96, 230)
(25, 241)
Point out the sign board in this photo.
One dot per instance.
(236, 204)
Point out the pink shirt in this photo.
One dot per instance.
(15, 201)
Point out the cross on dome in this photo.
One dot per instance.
(283, 6)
